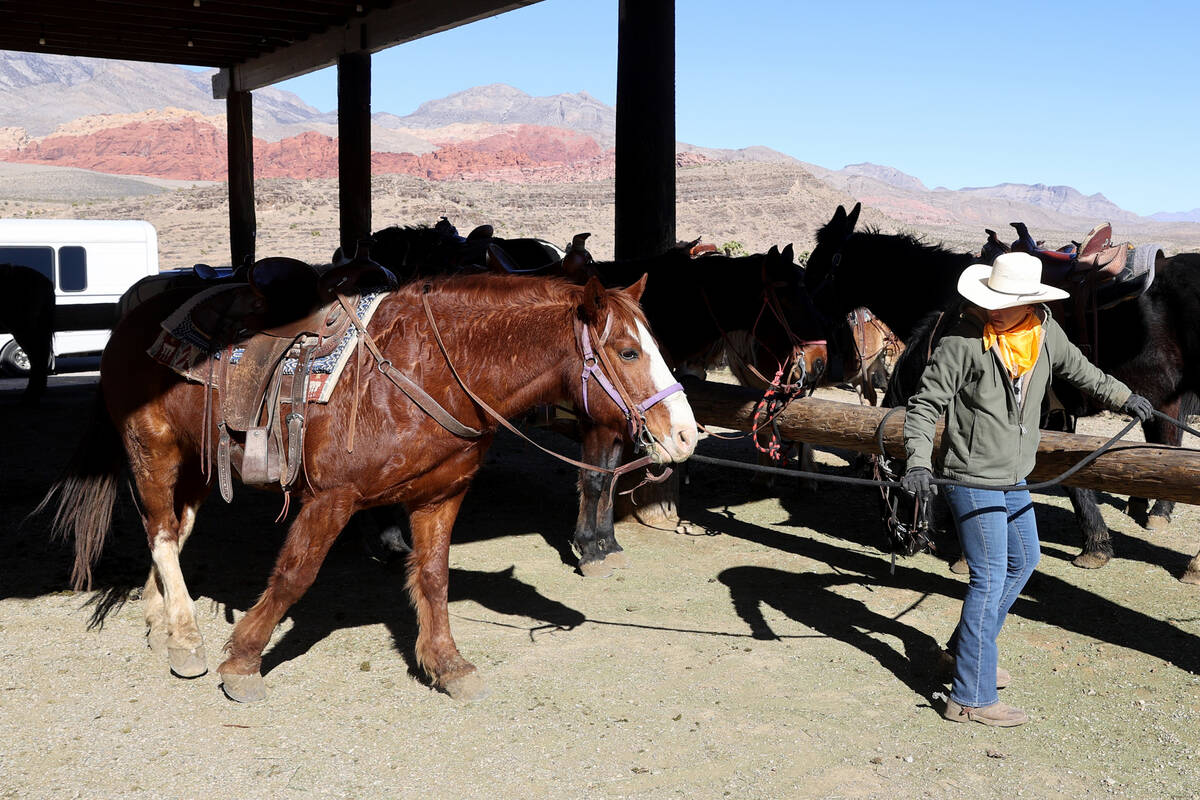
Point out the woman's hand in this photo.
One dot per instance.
(1138, 406)
(918, 481)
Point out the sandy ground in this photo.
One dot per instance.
(770, 653)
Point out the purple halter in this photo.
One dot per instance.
(591, 368)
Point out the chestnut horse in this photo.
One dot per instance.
(514, 342)
(752, 310)
(27, 312)
(1152, 343)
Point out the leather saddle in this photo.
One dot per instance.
(286, 313)
(1098, 273)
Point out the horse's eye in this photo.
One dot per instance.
(629, 354)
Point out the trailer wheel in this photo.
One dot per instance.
(13, 360)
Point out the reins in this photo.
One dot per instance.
(1033, 487)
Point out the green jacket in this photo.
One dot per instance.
(991, 437)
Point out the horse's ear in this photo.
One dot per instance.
(839, 216)
(773, 252)
(595, 302)
(852, 219)
(788, 254)
(636, 290)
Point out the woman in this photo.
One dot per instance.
(989, 374)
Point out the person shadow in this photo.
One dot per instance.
(812, 600)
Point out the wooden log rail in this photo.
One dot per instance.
(1137, 469)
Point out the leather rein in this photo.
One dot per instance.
(595, 364)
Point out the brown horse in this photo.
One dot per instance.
(27, 312)
(515, 343)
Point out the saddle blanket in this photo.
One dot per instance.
(188, 350)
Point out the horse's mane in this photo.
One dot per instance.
(495, 292)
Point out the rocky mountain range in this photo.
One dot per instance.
(127, 118)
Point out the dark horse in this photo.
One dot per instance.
(696, 307)
(516, 343)
(1152, 343)
(27, 312)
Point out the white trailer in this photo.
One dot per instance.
(91, 263)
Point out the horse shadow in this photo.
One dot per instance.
(811, 599)
(1046, 598)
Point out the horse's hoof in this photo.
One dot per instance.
(595, 569)
(157, 640)
(244, 688)
(960, 567)
(1192, 573)
(1090, 560)
(1157, 522)
(617, 559)
(467, 688)
(187, 662)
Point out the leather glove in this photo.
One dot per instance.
(918, 481)
(1138, 406)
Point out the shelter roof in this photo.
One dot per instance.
(258, 42)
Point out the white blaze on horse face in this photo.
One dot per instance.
(682, 439)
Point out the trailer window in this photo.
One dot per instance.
(72, 269)
(39, 258)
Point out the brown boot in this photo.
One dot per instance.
(1001, 715)
(945, 668)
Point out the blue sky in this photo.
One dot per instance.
(1099, 96)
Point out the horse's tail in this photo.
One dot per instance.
(86, 492)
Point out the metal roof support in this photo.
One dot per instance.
(239, 131)
(645, 172)
(354, 148)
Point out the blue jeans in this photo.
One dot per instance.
(999, 540)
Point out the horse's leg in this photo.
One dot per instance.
(428, 586)
(156, 464)
(36, 342)
(1097, 540)
(595, 538)
(308, 541)
(1160, 431)
(190, 492)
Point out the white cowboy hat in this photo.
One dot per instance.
(1013, 279)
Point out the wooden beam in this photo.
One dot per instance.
(1136, 468)
(243, 224)
(354, 148)
(645, 171)
(376, 30)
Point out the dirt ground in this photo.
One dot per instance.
(769, 653)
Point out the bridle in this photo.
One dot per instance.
(595, 364)
(771, 302)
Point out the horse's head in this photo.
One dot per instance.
(821, 271)
(791, 325)
(626, 384)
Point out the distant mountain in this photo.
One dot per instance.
(888, 175)
(1062, 199)
(503, 105)
(40, 92)
(1177, 216)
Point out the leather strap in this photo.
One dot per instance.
(406, 384)
(224, 479)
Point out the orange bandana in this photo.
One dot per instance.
(1018, 346)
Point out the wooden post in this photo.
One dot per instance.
(1138, 469)
(239, 133)
(645, 172)
(645, 178)
(354, 148)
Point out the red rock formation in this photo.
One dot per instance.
(191, 148)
